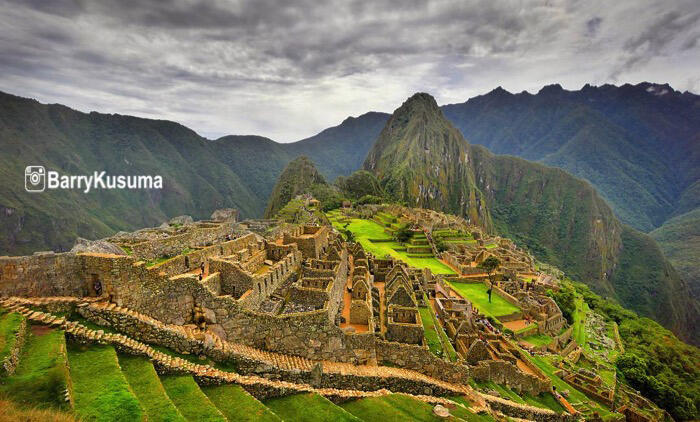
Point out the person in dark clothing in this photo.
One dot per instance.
(98, 287)
(201, 267)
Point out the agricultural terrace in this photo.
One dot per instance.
(374, 239)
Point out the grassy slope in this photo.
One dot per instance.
(40, 379)
(100, 390)
(189, 399)
(579, 315)
(545, 400)
(308, 408)
(538, 339)
(145, 384)
(431, 336)
(9, 325)
(237, 405)
(476, 293)
(679, 239)
(397, 407)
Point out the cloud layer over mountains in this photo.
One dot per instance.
(286, 70)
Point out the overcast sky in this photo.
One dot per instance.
(288, 69)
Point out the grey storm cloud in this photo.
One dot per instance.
(288, 69)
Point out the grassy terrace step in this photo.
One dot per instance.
(237, 405)
(100, 390)
(308, 408)
(144, 382)
(398, 407)
(9, 327)
(192, 403)
(544, 401)
(42, 375)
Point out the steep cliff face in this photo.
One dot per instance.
(300, 176)
(421, 159)
(564, 221)
(559, 217)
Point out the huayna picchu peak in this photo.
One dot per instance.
(420, 158)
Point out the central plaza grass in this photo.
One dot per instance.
(41, 376)
(477, 294)
(100, 390)
(144, 382)
(238, 405)
(308, 408)
(366, 230)
(189, 399)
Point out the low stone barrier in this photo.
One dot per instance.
(10, 362)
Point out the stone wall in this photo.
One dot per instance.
(46, 274)
(9, 363)
(420, 359)
(502, 372)
(204, 235)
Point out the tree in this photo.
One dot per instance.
(403, 234)
(490, 264)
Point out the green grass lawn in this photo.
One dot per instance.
(145, 384)
(538, 339)
(364, 230)
(398, 407)
(308, 408)
(9, 326)
(237, 405)
(579, 316)
(41, 376)
(100, 390)
(189, 399)
(476, 293)
(431, 336)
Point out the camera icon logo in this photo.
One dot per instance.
(34, 178)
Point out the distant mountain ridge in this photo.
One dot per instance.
(240, 171)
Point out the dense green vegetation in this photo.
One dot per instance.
(360, 184)
(300, 176)
(679, 239)
(655, 362)
(100, 390)
(422, 160)
(145, 384)
(237, 405)
(636, 147)
(308, 408)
